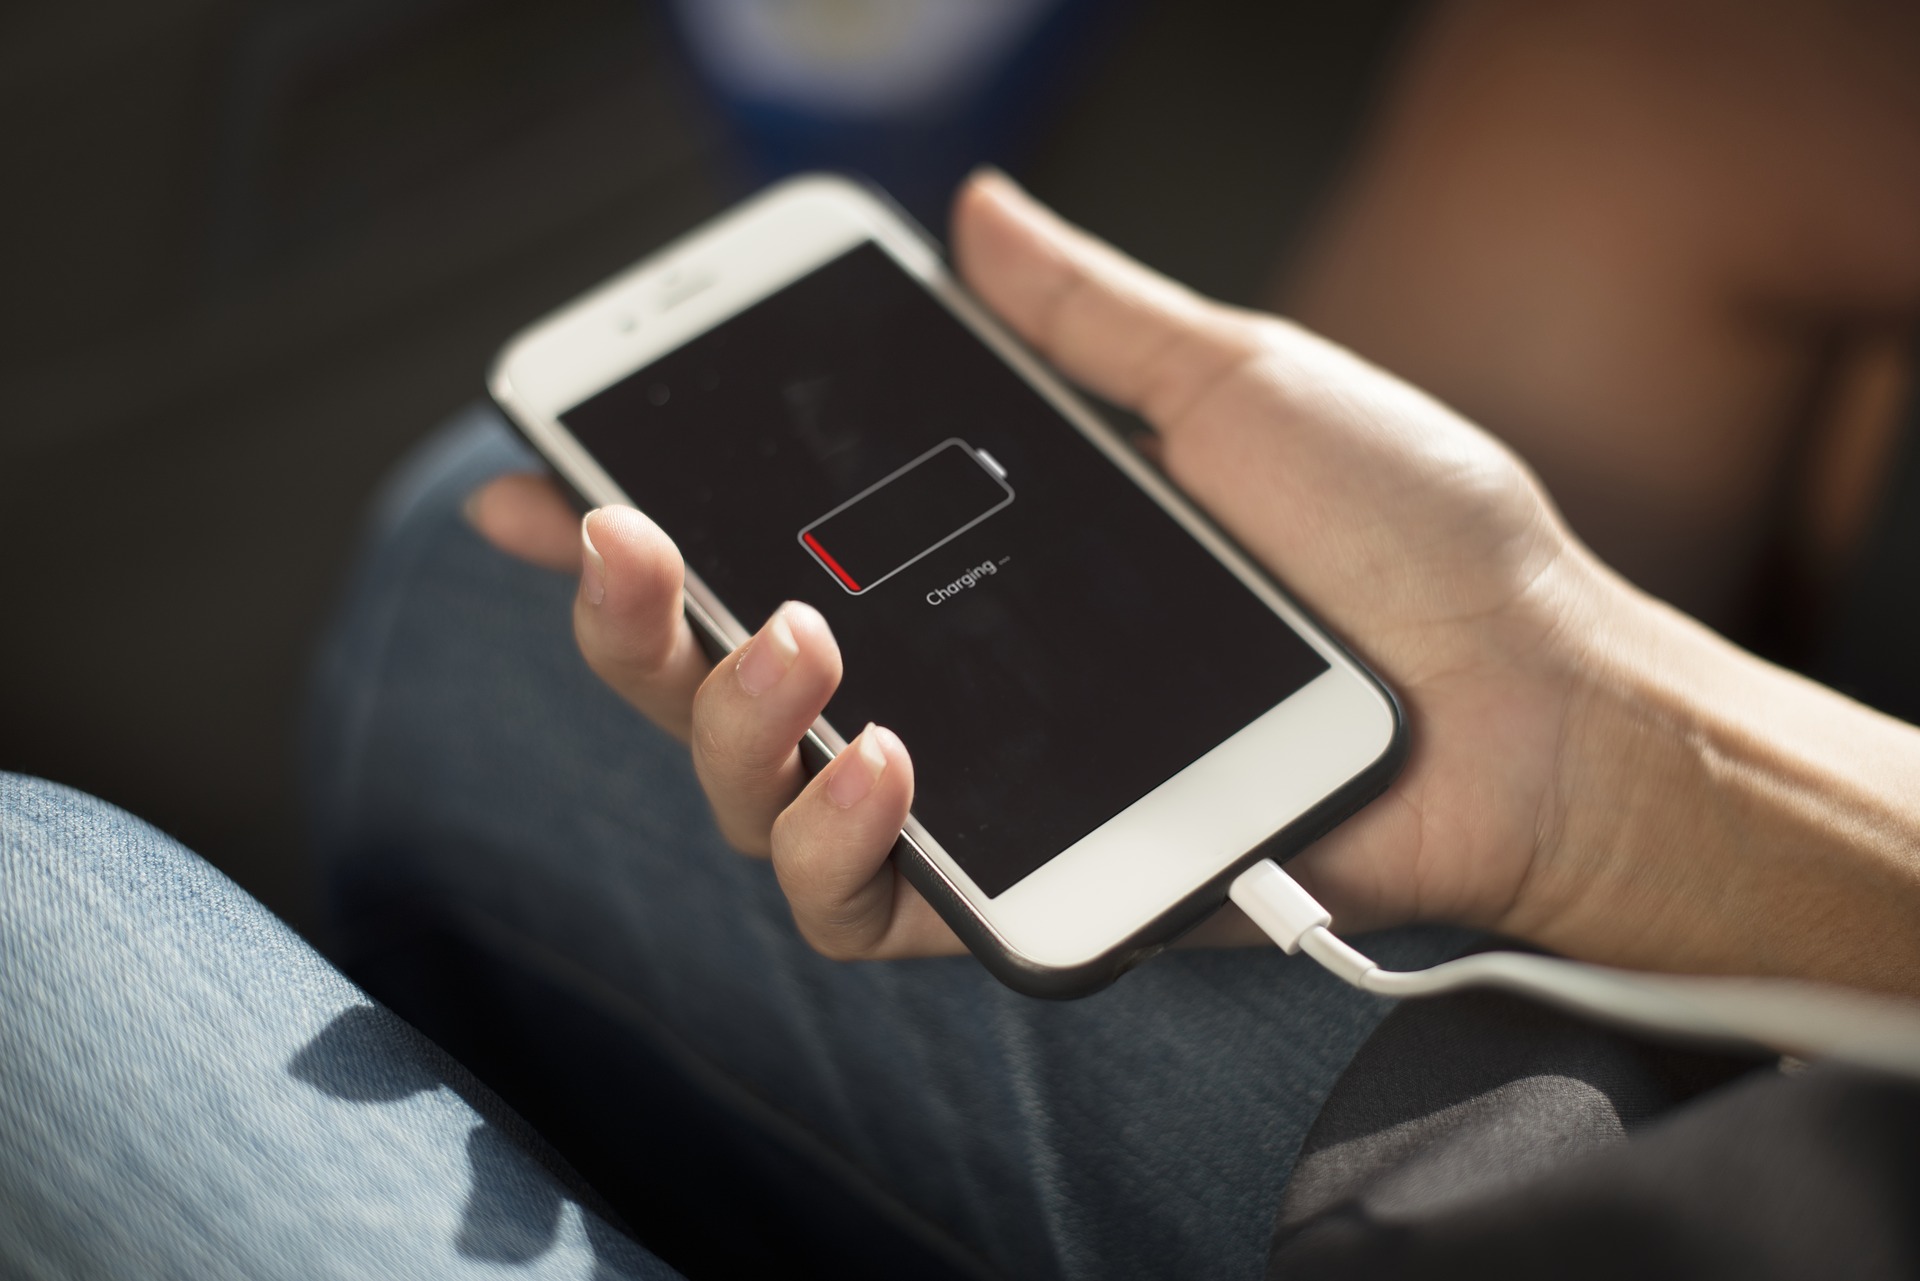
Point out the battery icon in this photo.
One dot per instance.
(905, 515)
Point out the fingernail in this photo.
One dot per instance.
(470, 507)
(768, 656)
(857, 769)
(593, 567)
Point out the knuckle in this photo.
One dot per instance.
(723, 761)
(797, 858)
(625, 657)
(838, 920)
(731, 751)
(828, 944)
(744, 834)
(839, 939)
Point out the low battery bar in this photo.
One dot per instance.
(897, 520)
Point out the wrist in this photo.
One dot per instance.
(1712, 813)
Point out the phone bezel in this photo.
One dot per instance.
(1304, 763)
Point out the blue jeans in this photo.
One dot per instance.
(525, 869)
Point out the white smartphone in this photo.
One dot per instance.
(1112, 711)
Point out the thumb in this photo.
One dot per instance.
(1124, 332)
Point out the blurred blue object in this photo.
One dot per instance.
(910, 93)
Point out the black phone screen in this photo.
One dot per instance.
(1050, 644)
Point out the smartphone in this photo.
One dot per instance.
(1112, 710)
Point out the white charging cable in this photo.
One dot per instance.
(1805, 1020)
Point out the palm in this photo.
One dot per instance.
(1433, 551)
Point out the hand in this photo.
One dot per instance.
(829, 837)
(1412, 533)
(1525, 666)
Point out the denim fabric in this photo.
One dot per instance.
(187, 1090)
(503, 833)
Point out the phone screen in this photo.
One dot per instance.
(1050, 644)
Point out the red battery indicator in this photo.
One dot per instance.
(900, 518)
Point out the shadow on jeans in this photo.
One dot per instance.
(512, 1214)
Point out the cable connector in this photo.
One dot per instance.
(1278, 905)
(1805, 1020)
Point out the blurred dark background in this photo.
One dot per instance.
(254, 250)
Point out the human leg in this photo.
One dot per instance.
(188, 1090)
(476, 784)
